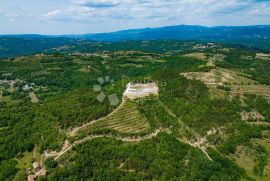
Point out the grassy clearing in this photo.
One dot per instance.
(217, 93)
(6, 98)
(85, 70)
(27, 158)
(245, 158)
(131, 65)
(200, 56)
(26, 161)
(1, 92)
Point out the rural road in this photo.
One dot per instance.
(75, 130)
(124, 139)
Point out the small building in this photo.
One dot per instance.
(28, 86)
(36, 167)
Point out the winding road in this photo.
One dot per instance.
(91, 137)
(72, 133)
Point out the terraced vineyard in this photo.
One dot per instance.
(220, 76)
(234, 77)
(263, 90)
(238, 82)
(126, 119)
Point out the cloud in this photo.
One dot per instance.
(149, 12)
(110, 15)
(71, 13)
(12, 17)
(86, 10)
(54, 13)
(97, 3)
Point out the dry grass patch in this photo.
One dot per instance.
(131, 65)
(225, 50)
(263, 56)
(253, 115)
(33, 97)
(206, 77)
(214, 77)
(200, 56)
(245, 158)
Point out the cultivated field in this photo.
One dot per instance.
(263, 90)
(126, 119)
(220, 76)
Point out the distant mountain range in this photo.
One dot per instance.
(181, 32)
(250, 36)
(184, 32)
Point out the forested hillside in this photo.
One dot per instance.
(210, 118)
(251, 36)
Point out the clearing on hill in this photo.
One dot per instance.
(134, 91)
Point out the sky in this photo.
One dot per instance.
(95, 16)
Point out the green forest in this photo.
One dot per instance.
(193, 129)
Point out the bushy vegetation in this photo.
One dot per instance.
(262, 161)
(258, 103)
(246, 61)
(162, 158)
(240, 133)
(189, 100)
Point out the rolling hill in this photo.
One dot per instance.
(257, 37)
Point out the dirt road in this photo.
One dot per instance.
(75, 130)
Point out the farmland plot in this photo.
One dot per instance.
(238, 82)
(125, 120)
(263, 90)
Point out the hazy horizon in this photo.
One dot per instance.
(131, 29)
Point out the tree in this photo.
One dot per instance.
(50, 163)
